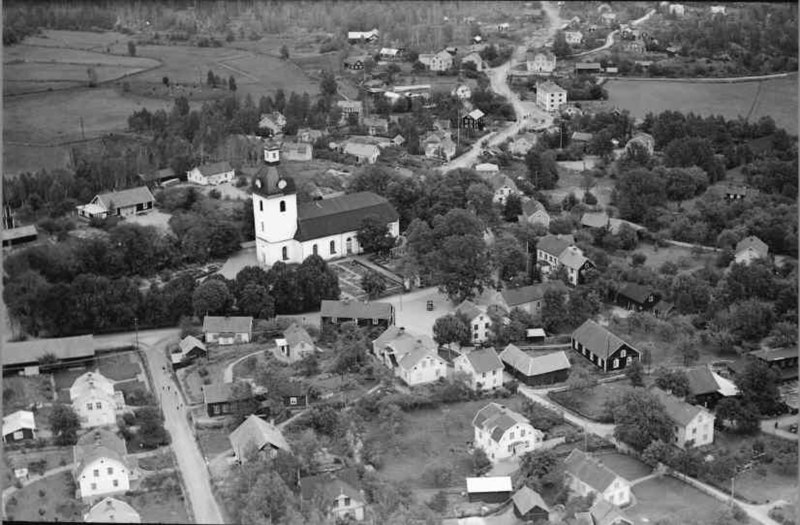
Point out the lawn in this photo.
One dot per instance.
(89, 40)
(119, 367)
(126, 387)
(660, 498)
(220, 358)
(156, 507)
(626, 466)
(49, 499)
(162, 460)
(53, 457)
(776, 98)
(213, 441)
(590, 403)
(571, 181)
(19, 159)
(22, 392)
(683, 257)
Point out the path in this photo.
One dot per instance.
(227, 376)
(190, 461)
(610, 37)
(768, 427)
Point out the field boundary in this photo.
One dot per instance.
(725, 80)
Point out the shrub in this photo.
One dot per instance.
(437, 475)
(215, 194)
(439, 502)
(42, 493)
(669, 268)
(589, 198)
(11, 502)
(38, 467)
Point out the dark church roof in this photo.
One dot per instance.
(267, 182)
(325, 217)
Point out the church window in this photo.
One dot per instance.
(285, 253)
(333, 247)
(314, 248)
(260, 205)
(283, 206)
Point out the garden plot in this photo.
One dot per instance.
(351, 272)
(664, 497)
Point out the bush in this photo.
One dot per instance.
(215, 194)
(438, 475)
(139, 397)
(38, 468)
(589, 198)
(638, 259)
(42, 493)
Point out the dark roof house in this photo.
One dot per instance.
(602, 347)
(256, 434)
(326, 217)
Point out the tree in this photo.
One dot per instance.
(635, 374)
(165, 80)
(64, 423)
(542, 470)
(211, 79)
(542, 168)
(584, 303)
(327, 84)
(373, 284)
(254, 300)
(212, 297)
(92, 77)
(560, 46)
(151, 428)
(640, 418)
(374, 236)
(638, 193)
(743, 415)
(480, 462)
(284, 52)
(513, 208)
(554, 310)
(231, 83)
(451, 329)
(674, 381)
(758, 384)
(509, 257)
(687, 347)
(131, 48)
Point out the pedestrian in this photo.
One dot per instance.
(776, 424)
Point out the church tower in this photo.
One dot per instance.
(274, 211)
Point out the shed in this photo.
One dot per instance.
(529, 505)
(495, 489)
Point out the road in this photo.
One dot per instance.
(610, 37)
(190, 460)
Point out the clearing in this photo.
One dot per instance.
(664, 497)
(22, 392)
(591, 402)
(571, 181)
(687, 261)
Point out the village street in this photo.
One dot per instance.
(610, 37)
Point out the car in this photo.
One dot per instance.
(793, 428)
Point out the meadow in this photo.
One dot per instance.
(776, 98)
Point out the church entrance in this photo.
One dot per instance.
(349, 246)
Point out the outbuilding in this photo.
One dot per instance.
(495, 489)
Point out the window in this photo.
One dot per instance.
(694, 431)
(260, 205)
(88, 406)
(314, 249)
(476, 326)
(375, 321)
(522, 433)
(115, 483)
(283, 206)
(494, 372)
(628, 360)
(333, 247)
(511, 435)
(96, 473)
(483, 375)
(94, 486)
(622, 354)
(98, 405)
(285, 253)
(110, 470)
(616, 363)
(18, 434)
(486, 325)
(292, 400)
(346, 501)
(509, 448)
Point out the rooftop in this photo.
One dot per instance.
(76, 347)
(678, 410)
(349, 309)
(227, 324)
(497, 420)
(322, 218)
(126, 198)
(534, 365)
(484, 360)
(589, 470)
(534, 292)
(98, 443)
(111, 510)
(526, 499)
(490, 484)
(597, 339)
(256, 433)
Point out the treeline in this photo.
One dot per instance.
(21, 19)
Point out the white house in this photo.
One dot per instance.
(297, 151)
(390, 53)
(441, 61)
(211, 174)
(112, 510)
(364, 153)
(363, 36)
(550, 96)
(503, 433)
(749, 249)
(677, 9)
(534, 212)
(351, 107)
(587, 475)
(338, 492)
(483, 366)
(94, 400)
(573, 37)
(503, 187)
(553, 251)
(412, 358)
(462, 92)
(718, 9)
(101, 463)
(118, 203)
(289, 232)
(273, 123)
(541, 62)
(296, 343)
(529, 298)
(486, 168)
(227, 330)
(691, 425)
(477, 320)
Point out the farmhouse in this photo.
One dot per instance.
(529, 506)
(441, 61)
(227, 330)
(534, 371)
(412, 358)
(540, 62)
(118, 203)
(588, 68)
(439, 145)
(101, 464)
(749, 249)
(475, 59)
(211, 174)
(530, 298)
(588, 475)
(20, 235)
(783, 360)
(355, 37)
(706, 387)
(391, 53)
(534, 212)
(294, 394)
(19, 426)
(363, 153)
(297, 151)
(601, 347)
(95, 401)
(189, 349)
(272, 124)
(473, 120)
(295, 343)
(636, 297)
(24, 358)
(644, 140)
(692, 425)
(733, 192)
(484, 368)
(222, 399)
(485, 168)
(351, 107)
(462, 92)
(361, 313)
(112, 510)
(595, 220)
(309, 136)
(356, 63)
(157, 177)
(573, 37)
(554, 251)
(522, 144)
(255, 434)
(503, 433)
(376, 125)
(503, 188)
(489, 490)
(338, 490)
(581, 139)
(477, 320)
(550, 96)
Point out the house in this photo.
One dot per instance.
(663, 309)
(158, 177)
(503, 433)
(222, 399)
(608, 18)
(644, 140)
(677, 9)
(540, 62)
(636, 46)
(376, 125)
(573, 37)
(534, 212)
(398, 140)
(550, 96)
(19, 235)
(473, 120)
(24, 358)
(691, 425)
(533, 371)
(706, 387)
(636, 297)
(474, 58)
(439, 145)
(355, 37)
(297, 151)
(462, 92)
(295, 343)
(477, 320)
(588, 68)
(351, 107)
(504, 27)
(364, 153)
(750, 249)
(227, 330)
(587, 474)
(595, 220)
(581, 139)
(356, 63)
(362, 313)
(530, 298)
(272, 124)
(343, 501)
(412, 358)
(211, 174)
(734, 192)
(575, 262)
(718, 9)
(101, 464)
(112, 510)
(309, 135)
(615, 225)
(522, 144)
(550, 247)
(441, 61)
(94, 400)
(20, 426)
(413, 91)
(295, 395)
(489, 490)
(503, 187)
(486, 168)
(529, 506)
(603, 348)
(783, 360)
(484, 368)
(390, 53)
(605, 513)
(255, 434)
(189, 349)
(118, 203)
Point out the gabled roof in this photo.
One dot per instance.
(92, 384)
(326, 217)
(597, 339)
(550, 87)
(489, 484)
(98, 443)
(497, 420)
(356, 309)
(361, 150)
(80, 346)
(580, 136)
(331, 485)
(533, 366)
(501, 180)
(410, 359)
(469, 310)
(484, 360)
(534, 292)
(257, 433)
(679, 411)
(701, 381)
(296, 334)
(111, 510)
(531, 206)
(525, 499)
(635, 292)
(605, 513)
(595, 219)
(165, 173)
(19, 420)
(228, 324)
(775, 354)
(573, 258)
(555, 244)
(753, 242)
(208, 170)
(589, 470)
(220, 393)
(487, 166)
(475, 114)
(190, 342)
(354, 59)
(615, 225)
(125, 198)
(408, 349)
(350, 104)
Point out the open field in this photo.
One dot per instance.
(590, 403)
(29, 54)
(776, 98)
(53, 457)
(661, 497)
(48, 499)
(19, 159)
(683, 257)
(88, 40)
(213, 441)
(626, 466)
(571, 181)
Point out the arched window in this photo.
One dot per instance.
(285, 253)
(260, 205)
(349, 245)
(333, 247)
(314, 248)
(283, 206)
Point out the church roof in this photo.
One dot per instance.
(326, 217)
(266, 182)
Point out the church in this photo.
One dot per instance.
(289, 232)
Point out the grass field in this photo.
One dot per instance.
(48, 499)
(590, 404)
(776, 98)
(19, 159)
(662, 497)
(155, 507)
(683, 257)
(21, 392)
(119, 367)
(213, 441)
(88, 40)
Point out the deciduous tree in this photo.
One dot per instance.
(451, 329)
(211, 298)
(64, 423)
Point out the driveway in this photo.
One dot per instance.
(411, 311)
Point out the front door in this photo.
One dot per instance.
(349, 245)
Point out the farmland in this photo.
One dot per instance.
(776, 98)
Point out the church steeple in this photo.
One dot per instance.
(272, 153)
